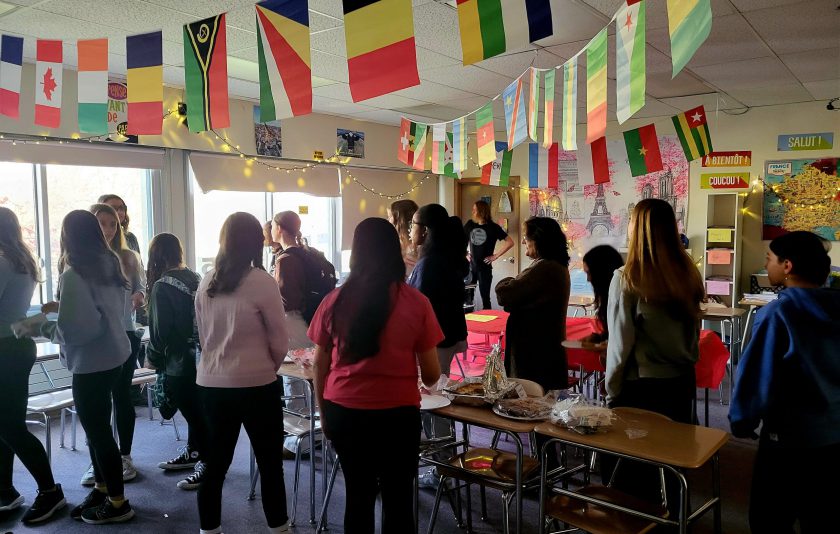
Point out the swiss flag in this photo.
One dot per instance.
(405, 152)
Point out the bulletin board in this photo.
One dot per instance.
(802, 194)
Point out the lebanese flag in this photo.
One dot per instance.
(48, 84)
(600, 162)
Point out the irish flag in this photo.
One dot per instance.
(570, 104)
(630, 59)
(596, 87)
(48, 84)
(689, 24)
(497, 172)
(485, 134)
(533, 103)
(643, 150)
(548, 113)
(93, 85)
(543, 166)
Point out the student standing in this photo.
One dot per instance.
(120, 207)
(94, 347)
(371, 334)
(789, 380)
(483, 234)
(242, 329)
(18, 275)
(173, 347)
(400, 214)
(600, 264)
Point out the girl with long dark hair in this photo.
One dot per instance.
(371, 334)
(173, 346)
(600, 264)
(400, 214)
(19, 274)
(116, 202)
(242, 330)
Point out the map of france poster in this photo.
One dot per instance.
(802, 194)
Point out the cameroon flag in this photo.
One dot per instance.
(205, 68)
(693, 132)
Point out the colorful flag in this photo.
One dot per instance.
(381, 55)
(596, 87)
(459, 145)
(515, 122)
(643, 150)
(11, 62)
(438, 147)
(205, 73)
(490, 27)
(485, 134)
(548, 112)
(600, 162)
(145, 83)
(284, 58)
(693, 132)
(405, 153)
(570, 72)
(419, 143)
(533, 103)
(93, 85)
(48, 84)
(497, 172)
(543, 166)
(689, 24)
(630, 60)
(447, 159)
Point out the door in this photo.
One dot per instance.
(470, 190)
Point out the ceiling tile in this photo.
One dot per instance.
(392, 101)
(657, 16)
(824, 90)
(469, 78)
(660, 84)
(379, 116)
(572, 22)
(799, 27)
(435, 111)
(337, 91)
(327, 7)
(753, 5)
(436, 29)
(244, 89)
(329, 105)
(749, 73)
(655, 108)
(814, 65)
(243, 69)
(467, 104)
(249, 54)
(330, 67)
(711, 101)
(768, 95)
(429, 59)
(434, 92)
(330, 41)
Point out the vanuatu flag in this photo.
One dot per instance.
(205, 68)
(643, 150)
(693, 132)
(381, 55)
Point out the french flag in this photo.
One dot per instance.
(11, 61)
(543, 166)
(48, 86)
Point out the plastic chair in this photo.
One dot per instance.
(50, 406)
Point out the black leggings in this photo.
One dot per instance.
(187, 397)
(390, 474)
(123, 404)
(260, 410)
(92, 395)
(16, 359)
(483, 275)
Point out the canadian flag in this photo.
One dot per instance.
(48, 83)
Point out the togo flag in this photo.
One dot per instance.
(205, 69)
(497, 172)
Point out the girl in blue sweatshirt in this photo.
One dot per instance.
(789, 380)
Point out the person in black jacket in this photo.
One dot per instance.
(173, 346)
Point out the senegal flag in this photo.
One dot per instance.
(205, 68)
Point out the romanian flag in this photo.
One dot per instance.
(93, 85)
(643, 150)
(515, 122)
(548, 112)
(145, 83)
(533, 103)
(48, 85)
(570, 104)
(693, 132)
(497, 172)
(381, 55)
(630, 59)
(600, 162)
(419, 145)
(490, 27)
(543, 166)
(205, 72)
(284, 59)
(596, 87)
(485, 135)
(459, 145)
(689, 25)
(11, 62)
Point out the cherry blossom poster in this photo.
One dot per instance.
(592, 214)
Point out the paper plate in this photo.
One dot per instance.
(432, 402)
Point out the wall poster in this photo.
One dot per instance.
(350, 144)
(802, 194)
(267, 136)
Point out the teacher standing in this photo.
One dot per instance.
(483, 234)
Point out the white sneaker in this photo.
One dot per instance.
(281, 529)
(129, 471)
(88, 478)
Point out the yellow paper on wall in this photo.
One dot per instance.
(480, 318)
(720, 235)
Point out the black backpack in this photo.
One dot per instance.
(320, 278)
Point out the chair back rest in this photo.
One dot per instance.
(532, 389)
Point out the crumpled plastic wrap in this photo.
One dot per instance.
(576, 412)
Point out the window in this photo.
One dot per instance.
(17, 192)
(317, 219)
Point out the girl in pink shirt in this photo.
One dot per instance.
(371, 334)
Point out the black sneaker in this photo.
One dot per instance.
(10, 499)
(95, 498)
(46, 504)
(107, 513)
(186, 460)
(194, 480)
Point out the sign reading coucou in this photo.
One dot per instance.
(725, 180)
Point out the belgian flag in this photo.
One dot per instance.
(205, 67)
(381, 56)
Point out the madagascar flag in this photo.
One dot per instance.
(643, 150)
(205, 68)
(381, 55)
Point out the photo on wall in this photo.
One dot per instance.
(267, 136)
(350, 144)
(802, 194)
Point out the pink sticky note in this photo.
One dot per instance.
(717, 287)
(718, 257)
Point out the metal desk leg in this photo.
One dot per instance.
(519, 453)
(682, 518)
(311, 391)
(716, 492)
